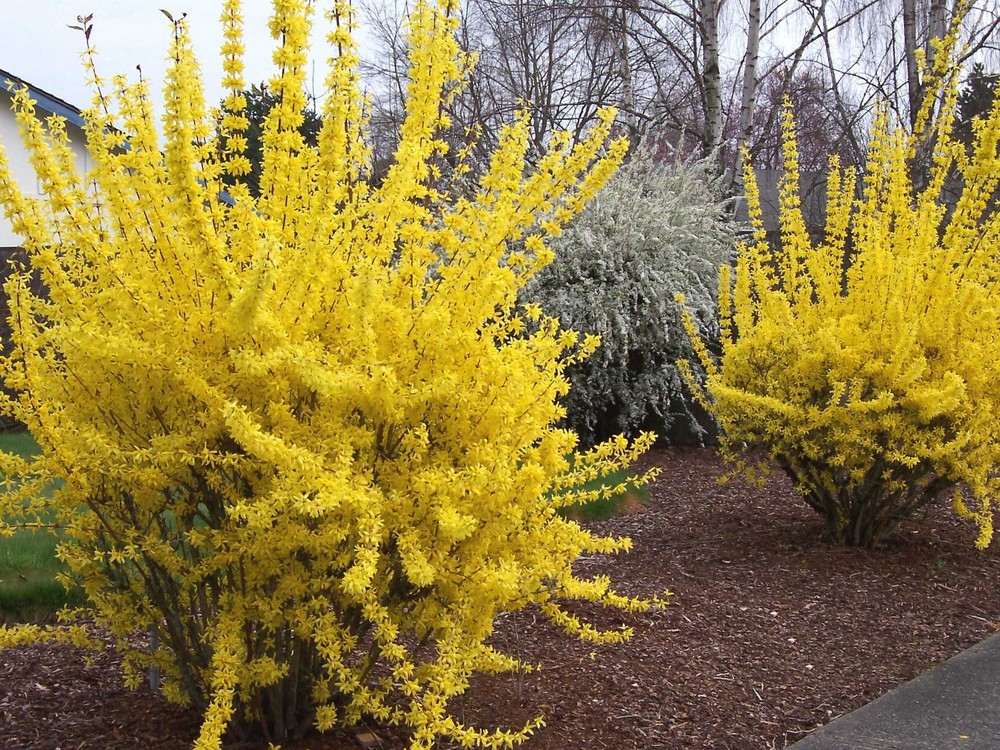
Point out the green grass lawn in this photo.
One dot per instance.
(29, 591)
(19, 443)
(598, 510)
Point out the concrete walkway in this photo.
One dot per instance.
(955, 706)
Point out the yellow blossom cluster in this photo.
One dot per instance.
(307, 438)
(867, 363)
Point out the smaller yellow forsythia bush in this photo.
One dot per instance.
(307, 437)
(867, 364)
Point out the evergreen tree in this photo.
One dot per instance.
(260, 100)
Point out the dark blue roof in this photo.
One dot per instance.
(43, 99)
(56, 106)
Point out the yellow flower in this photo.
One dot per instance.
(299, 429)
(866, 362)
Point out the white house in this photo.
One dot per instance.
(10, 244)
(45, 104)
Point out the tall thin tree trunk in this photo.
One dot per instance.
(937, 26)
(748, 95)
(913, 88)
(712, 75)
(627, 104)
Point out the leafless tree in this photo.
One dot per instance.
(559, 60)
(879, 52)
(685, 74)
(819, 131)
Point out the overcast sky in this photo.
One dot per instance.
(36, 45)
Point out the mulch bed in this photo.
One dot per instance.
(771, 633)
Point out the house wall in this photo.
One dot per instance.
(21, 167)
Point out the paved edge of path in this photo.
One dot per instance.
(953, 706)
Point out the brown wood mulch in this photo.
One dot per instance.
(771, 633)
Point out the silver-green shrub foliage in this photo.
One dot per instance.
(655, 230)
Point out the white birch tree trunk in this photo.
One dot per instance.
(748, 96)
(711, 78)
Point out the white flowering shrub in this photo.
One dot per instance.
(655, 230)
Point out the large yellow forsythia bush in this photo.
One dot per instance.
(867, 364)
(307, 438)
